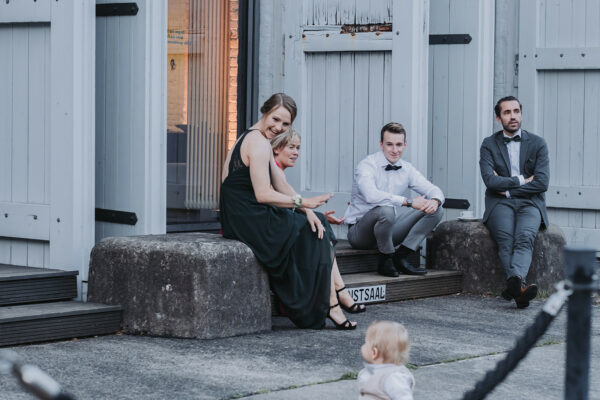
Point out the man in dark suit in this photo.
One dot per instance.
(515, 169)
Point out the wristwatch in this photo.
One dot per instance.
(297, 201)
(408, 203)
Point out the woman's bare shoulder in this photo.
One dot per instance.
(255, 141)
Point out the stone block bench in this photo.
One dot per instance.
(192, 285)
(469, 247)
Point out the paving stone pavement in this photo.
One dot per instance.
(455, 339)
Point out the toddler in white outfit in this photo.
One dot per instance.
(385, 352)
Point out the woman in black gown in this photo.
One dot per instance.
(259, 208)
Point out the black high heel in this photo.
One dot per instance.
(344, 326)
(354, 308)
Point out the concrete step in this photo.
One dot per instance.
(370, 287)
(42, 322)
(20, 284)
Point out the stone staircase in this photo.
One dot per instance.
(36, 306)
(359, 270)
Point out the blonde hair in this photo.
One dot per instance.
(285, 138)
(391, 340)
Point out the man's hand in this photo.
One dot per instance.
(529, 179)
(332, 219)
(422, 204)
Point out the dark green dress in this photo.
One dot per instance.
(298, 263)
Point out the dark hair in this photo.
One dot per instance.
(502, 100)
(280, 100)
(393, 127)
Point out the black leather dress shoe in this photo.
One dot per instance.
(513, 287)
(402, 265)
(528, 293)
(385, 266)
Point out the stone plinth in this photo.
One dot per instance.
(193, 285)
(469, 247)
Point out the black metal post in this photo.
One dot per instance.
(579, 269)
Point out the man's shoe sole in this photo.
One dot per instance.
(528, 294)
(389, 274)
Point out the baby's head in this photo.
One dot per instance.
(386, 342)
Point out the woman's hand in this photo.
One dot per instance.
(332, 219)
(314, 202)
(315, 223)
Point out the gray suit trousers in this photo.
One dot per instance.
(383, 228)
(514, 223)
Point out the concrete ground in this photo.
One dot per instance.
(455, 340)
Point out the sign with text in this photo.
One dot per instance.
(367, 294)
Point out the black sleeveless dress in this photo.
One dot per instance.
(298, 263)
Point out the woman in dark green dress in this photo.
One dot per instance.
(259, 208)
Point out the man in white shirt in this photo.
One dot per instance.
(380, 216)
(515, 169)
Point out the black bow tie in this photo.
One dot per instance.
(391, 167)
(516, 138)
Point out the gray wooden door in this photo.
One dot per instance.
(46, 133)
(348, 83)
(460, 98)
(559, 86)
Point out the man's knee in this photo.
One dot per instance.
(439, 214)
(525, 238)
(385, 214)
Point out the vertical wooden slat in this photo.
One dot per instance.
(591, 129)
(318, 116)
(125, 139)
(307, 12)
(20, 113)
(100, 140)
(347, 11)
(576, 115)
(375, 99)
(20, 130)
(470, 148)
(578, 23)
(320, 12)
(36, 107)
(592, 28)
(332, 120)
(347, 101)
(456, 100)
(361, 103)
(333, 12)
(6, 125)
(362, 11)
(387, 92)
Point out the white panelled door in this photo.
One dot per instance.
(46, 133)
(559, 86)
(348, 83)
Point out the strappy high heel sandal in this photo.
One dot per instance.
(344, 326)
(354, 308)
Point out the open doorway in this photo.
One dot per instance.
(202, 79)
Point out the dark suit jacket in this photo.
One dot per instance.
(493, 156)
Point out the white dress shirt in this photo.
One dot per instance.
(514, 154)
(374, 186)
